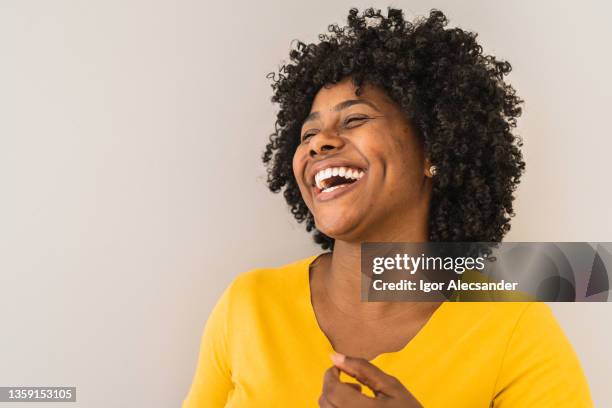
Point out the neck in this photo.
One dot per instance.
(342, 279)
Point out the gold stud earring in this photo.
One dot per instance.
(433, 170)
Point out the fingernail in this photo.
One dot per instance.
(337, 358)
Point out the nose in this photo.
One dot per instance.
(324, 142)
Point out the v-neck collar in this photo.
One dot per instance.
(420, 337)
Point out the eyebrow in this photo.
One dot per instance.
(342, 105)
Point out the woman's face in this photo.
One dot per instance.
(360, 168)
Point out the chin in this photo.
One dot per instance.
(338, 227)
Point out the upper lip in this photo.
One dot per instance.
(323, 164)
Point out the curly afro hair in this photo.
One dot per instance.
(453, 95)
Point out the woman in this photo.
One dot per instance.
(387, 131)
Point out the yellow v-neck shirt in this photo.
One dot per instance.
(262, 347)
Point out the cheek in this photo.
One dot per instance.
(407, 155)
(298, 165)
(299, 162)
(400, 163)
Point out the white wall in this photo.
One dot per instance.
(132, 190)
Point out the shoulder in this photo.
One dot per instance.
(266, 283)
(540, 364)
(496, 324)
(257, 301)
(494, 315)
(520, 328)
(271, 278)
(538, 333)
(535, 362)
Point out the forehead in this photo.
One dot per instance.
(330, 95)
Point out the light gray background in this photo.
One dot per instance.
(132, 190)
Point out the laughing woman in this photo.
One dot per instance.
(387, 130)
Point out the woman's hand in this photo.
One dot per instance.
(390, 393)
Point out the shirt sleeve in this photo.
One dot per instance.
(540, 367)
(212, 380)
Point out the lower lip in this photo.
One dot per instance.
(321, 196)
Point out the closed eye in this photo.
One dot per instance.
(354, 121)
(349, 123)
(309, 134)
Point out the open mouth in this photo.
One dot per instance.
(333, 178)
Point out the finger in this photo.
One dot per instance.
(342, 394)
(368, 374)
(355, 386)
(324, 402)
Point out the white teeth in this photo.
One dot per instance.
(330, 189)
(336, 171)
